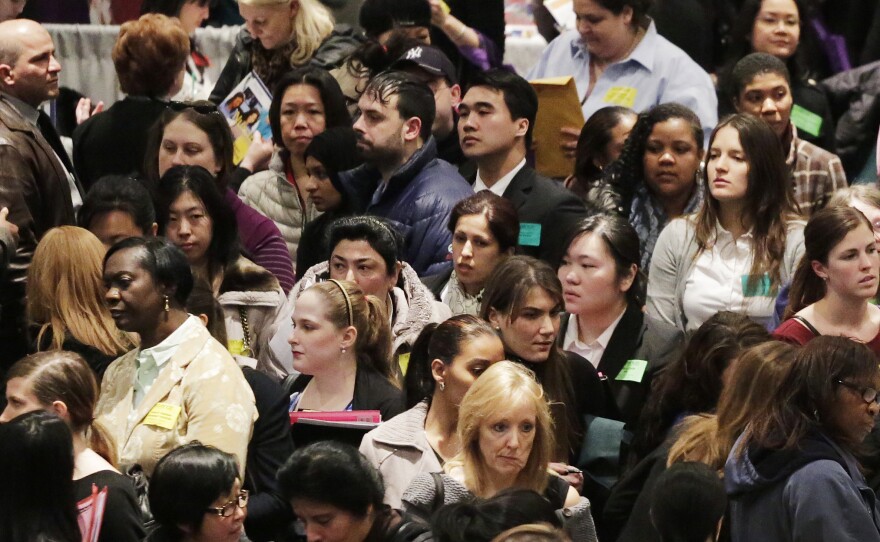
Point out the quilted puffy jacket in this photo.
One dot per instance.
(417, 200)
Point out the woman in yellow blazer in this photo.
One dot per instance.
(181, 385)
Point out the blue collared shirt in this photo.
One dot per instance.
(655, 72)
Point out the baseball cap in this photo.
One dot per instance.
(429, 59)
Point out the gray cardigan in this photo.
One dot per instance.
(674, 258)
(400, 451)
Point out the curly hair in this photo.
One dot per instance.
(628, 171)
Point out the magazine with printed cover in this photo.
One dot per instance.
(247, 111)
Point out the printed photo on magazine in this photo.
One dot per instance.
(247, 111)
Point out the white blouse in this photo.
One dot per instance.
(718, 281)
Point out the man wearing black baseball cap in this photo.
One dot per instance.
(432, 66)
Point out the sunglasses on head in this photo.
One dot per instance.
(204, 109)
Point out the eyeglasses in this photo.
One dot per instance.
(869, 395)
(228, 509)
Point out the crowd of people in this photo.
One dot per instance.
(676, 341)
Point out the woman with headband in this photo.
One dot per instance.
(341, 344)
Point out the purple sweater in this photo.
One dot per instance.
(262, 241)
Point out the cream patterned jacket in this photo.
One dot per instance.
(216, 405)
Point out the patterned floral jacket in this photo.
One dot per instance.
(216, 405)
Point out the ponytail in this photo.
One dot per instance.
(419, 380)
(806, 288)
(373, 344)
(102, 443)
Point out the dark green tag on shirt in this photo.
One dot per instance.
(759, 287)
(806, 120)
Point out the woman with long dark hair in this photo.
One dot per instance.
(62, 383)
(742, 245)
(657, 177)
(37, 472)
(523, 302)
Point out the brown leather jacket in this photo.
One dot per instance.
(33, 185)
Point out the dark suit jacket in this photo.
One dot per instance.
(113, 142)
(540, 200)
(637, 336)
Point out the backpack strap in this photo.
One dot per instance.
(806, 324)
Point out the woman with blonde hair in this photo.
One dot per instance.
(865, 198)
(62, 383)
(65, 299)
(507, 438)
(280, 35)
(341, 344)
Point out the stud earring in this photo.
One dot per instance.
(342, 349)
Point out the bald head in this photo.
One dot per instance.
(28, 68)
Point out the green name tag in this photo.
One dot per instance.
(806, 120)
(633, 371)
(757, 288)
(529, 234)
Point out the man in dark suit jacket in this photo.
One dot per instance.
(496, 120)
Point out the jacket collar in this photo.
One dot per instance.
(405, 173)
(13, 118)
(406, 429)
(245, 276)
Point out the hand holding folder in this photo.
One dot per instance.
(558, 107)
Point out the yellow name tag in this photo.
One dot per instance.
(163, 415)
(403, 361)
(235, 346)
(625, 96)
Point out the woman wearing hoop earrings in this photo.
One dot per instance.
(180, 385)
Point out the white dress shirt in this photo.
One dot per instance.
(594, 351)
(718, 281)
(501, 185)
